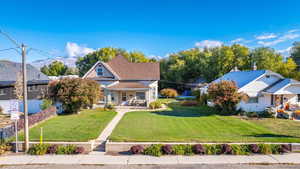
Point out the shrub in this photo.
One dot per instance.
(238, 149)
(275, 148)
(225, 95)
(109, 106)
(189, 103)
(75, 93)
(213, 149)
(167, 149)
(265, 149)
(68, 149)
(4, 148)
(79, 150)
(153, 150)
(254, 148)
(46, 104)
(169, 93)
(179, 149)
(52, 149)
(188, 150)
(38, 149)
(285, 148)
(226, 149)
(198, 149)
(155, 105)
(137, 149)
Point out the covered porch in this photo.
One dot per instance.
(128, 94)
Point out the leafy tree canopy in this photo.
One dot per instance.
(58, 68)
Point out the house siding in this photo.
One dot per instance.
(35, 94)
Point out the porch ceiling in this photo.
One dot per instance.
(129, 86)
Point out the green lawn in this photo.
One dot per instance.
(82, 127)
(202, 124)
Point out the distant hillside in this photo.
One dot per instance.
(69, 61)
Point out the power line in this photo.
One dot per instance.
(10, 38)
(1, 50)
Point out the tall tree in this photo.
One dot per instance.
(56, 68)
(295, 54)
(83, 64)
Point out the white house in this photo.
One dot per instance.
(264, 88)
(126, 83)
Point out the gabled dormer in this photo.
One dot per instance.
(101, 71)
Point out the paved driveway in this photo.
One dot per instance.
(152, 167)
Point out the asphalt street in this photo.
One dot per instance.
(194, 166)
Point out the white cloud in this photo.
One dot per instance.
(266, 36)
(286, 51)
(75, 50)
(294, 30)
(237, 40)
(208, 44)
(288, 36)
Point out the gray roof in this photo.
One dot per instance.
(242, 78)
(281, 84)
(9, 70)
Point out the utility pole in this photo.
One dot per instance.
(25, 106)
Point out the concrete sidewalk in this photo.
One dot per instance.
(293, 158)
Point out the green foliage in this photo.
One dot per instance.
(46, 104)
(295, 54)
(56, 68)
(109, 106)
(169, 93)
(38, 149)
(83, 64)
(4, 148)
(213, 149)
(68, 149)
(154, 150)
(75, 93)
(225, 95)
(188, 65)
(155, 105)
(275, 148)
(265, 148)
(239, 149)
(179, 149)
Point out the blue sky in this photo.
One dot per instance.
(155, 27)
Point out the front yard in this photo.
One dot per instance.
(82, 127)
(202, 124)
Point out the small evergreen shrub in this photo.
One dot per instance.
(155, 105)
(198, 149)
(167, 149)
(240, 149)
(265, 149)
(254, 148)
(188, 149)
(109, 106)
(179, 149)
(38, 149)
(68, 149)
(4, 148)
(275, 148)
(137, 149)
(153, 150)
(46, 104)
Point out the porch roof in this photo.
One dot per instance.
(128, 86)
(278, 88)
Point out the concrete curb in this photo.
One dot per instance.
(293, 158)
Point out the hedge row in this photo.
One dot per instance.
(42, 149)
(210, 149)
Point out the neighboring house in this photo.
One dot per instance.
(126, 83)
(264, 89)
(37, 85)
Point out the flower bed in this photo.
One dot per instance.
(210, 149)
(42, 149)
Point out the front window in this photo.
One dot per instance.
(140, 95)
(99, 71)
(124, 98)
(253, 100)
